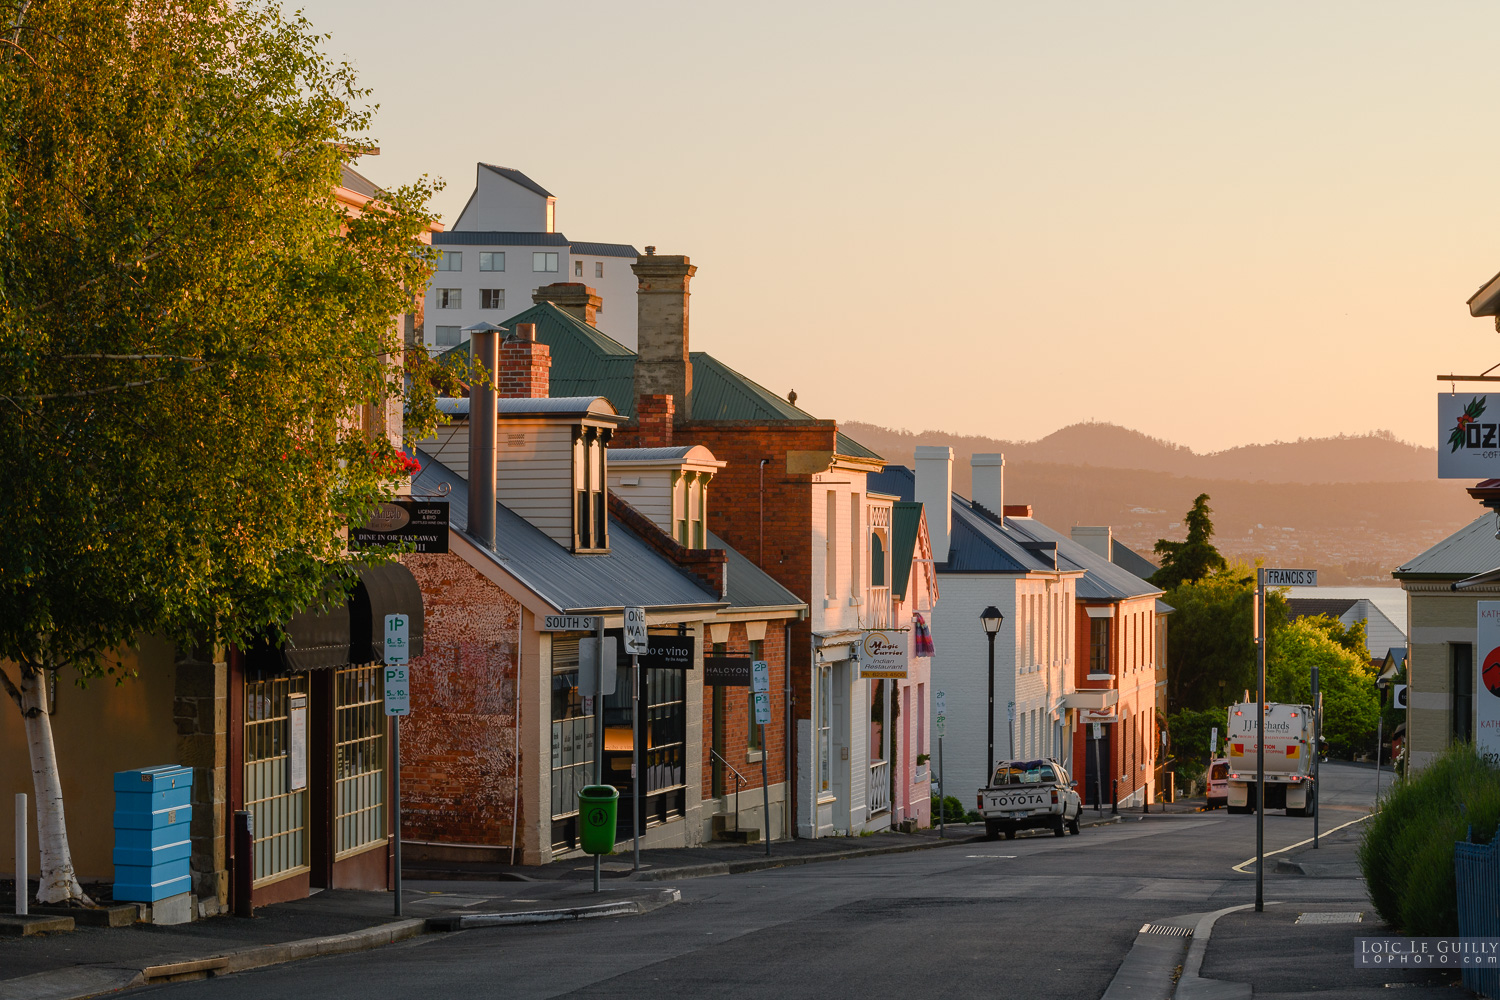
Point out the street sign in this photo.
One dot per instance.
(727, 671)
(1398, 699)
(397, 695)
(571, 623)
(1291, 577)
(1213, 741)
(1010, 711)
(760, 677)
(1468, 442)
(635, 631)
(762, 708)
(589, 665)
(1098, 730)
(940, 713)
(882, 655)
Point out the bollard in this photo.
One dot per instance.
(244, 863)
(23, 886)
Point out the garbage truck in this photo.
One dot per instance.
(1289, 745)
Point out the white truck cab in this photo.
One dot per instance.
(1289, 749)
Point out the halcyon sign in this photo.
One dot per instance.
(422, 522)
(1468, 443)
(726, 671)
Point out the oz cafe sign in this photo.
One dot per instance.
(1468, 436)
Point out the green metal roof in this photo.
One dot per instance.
(853, 449)
(906, 517)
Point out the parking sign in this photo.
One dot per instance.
(397, 653)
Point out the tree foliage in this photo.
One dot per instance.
(1210, 638)
(197, 341)
(1195, 557)
(1351, 704)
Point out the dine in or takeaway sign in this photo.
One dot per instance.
(1468, 436)
(882, 654)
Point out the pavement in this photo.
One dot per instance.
(437, 897)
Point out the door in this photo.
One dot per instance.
(1096, 787)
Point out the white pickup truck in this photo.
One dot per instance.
(1029, 793)
(1289, 758)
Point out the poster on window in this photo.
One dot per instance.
(296, 744)
(1487, 681)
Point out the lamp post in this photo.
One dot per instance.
(991, 619)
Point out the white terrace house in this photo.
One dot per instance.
(504, 247)
(980, 564)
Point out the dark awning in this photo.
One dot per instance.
(389, 589)
(316, 639)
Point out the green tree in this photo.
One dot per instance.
(1351, 704)
(1195, 557)
(198, 345)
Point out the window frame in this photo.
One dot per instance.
(492, 254)
(450, 298)
(492, 298)
(545, 258)
(1099, 661)
(450, 260)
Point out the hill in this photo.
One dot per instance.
(1354, 507)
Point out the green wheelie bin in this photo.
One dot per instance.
(597, 805)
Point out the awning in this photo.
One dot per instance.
(389, 589)
(1092, 699)
(316, 639)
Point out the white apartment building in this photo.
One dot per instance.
(504, 246)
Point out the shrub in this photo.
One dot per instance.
(952, 811)
(1189, 731)
(1407, 851)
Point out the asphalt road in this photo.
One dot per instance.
(1031, 917)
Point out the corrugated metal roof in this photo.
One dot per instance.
(1163, 608)
(605, 250)
(651, 454)
(512, 174)
(551, 406)
(1102, 580)
(358, 182)
(470, 237)
(906, 520)
(979, 545)
(1471, 549)
(846, 445)
(749, 585)
(1309, 607)
(893, 481)
(1130, 560)
(630, 573)
(721, 393)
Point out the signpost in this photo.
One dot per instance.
(397, 703)
(882, 655)
(1264, 578)
(940, 725)
(1098, 775)
(1010, 726)
(760, 693)
(423, 523)
(636, 643)
(1213, 744)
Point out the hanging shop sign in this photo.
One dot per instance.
(663, 652)
(1468, 442)
(727, 671)
(882, 654)
(424, 523)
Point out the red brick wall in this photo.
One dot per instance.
(737, 715)
(458, 759)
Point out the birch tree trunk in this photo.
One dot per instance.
(59, 883)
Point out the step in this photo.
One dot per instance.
(12, 925)
(105, 915)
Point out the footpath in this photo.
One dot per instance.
(1302, 944)
(92, 960)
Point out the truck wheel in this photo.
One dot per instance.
(991, 831)
(1238, 809)
(1073, 826)
(1060, 828)
(1010, 833)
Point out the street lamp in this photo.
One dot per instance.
(991, 619)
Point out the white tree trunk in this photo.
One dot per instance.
(59, 883)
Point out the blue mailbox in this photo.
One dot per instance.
(153, 816)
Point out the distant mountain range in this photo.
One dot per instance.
(1353, 507)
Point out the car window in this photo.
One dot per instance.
(1047, 776)
(1219, 771)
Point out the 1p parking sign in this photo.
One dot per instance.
(397, 654)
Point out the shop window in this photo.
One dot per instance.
(720, 709)
(1462, 687)
(276, 773)
(572, 741)
(825, 728)
(665, 724)
(360, 759)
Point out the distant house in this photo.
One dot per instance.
(1381, 633)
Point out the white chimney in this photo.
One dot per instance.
(989, 482)
(1096, 538)
(935, 492)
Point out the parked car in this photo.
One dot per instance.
(1218, 782)
(1025, 794)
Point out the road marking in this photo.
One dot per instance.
(1250, 861)
(1012, 856)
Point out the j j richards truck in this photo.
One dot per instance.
(1289, 758)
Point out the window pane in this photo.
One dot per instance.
(450, 298)
(451, 260)
(492, 261)
(447, 336)
(598, 268)
(578, 269)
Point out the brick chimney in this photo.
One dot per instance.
(571, 296)
(662, 366)
(654, 414)
(525, 365)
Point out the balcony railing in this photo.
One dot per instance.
(878, 605)
(880, 786)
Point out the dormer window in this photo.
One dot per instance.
(590, 490)
(690, 509)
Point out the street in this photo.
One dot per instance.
(962, 921)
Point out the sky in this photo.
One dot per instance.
(1217, 224)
